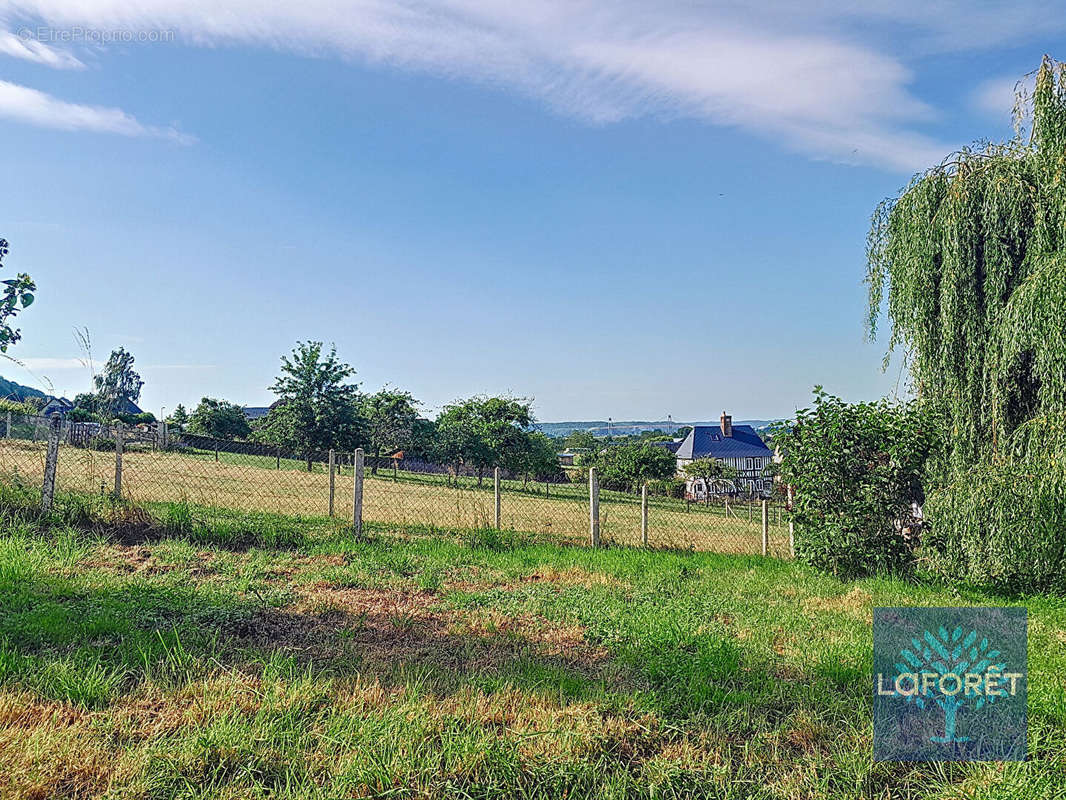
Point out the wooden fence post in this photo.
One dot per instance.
(594, 508)
(48, 488)
(496, 486)
(357, 493)
(119, 444)
(277, 456)
(765, 527)
(644, 515)
(332, 478)
(7, 430)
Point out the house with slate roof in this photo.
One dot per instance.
(736, 446)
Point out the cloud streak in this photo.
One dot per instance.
(33, 107)
(37, 52)
(806, 80)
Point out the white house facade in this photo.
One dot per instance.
(736, 446)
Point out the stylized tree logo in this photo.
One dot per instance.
(952, 670)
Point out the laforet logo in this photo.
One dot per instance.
(949, 683)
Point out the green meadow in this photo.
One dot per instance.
(202, 654)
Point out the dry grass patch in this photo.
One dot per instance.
(856, 603)
(408, 626)
(49, 750)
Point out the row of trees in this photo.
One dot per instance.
(320, 408)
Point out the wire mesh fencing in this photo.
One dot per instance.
(149, 464)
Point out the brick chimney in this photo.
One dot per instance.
(727, 424)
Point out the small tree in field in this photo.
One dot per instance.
(390, 420)
(179, 418)
(713, 473)
(17, 295)
(539, 460)
(217, 418)
(626, 467)
(316, 408)
(483, 432)
(581, 441)
(117, 385)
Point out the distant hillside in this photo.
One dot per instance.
(16, 391)
(629, 427)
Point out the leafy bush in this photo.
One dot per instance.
(16, 408)
(82, 415)
(626, 467)
(856, 470)
(667, 487)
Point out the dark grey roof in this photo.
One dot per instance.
(707, 441)
(255, 412)
(671, 446)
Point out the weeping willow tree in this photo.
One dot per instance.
(969, 265)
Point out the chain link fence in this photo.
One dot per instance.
(149, 464)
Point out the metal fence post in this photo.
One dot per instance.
(7, 430)
(644, 515)
(332, 478)
(496, 486)
(48, 488)
(765, 527)
(594, 508)
(119, 443)
(357, 493)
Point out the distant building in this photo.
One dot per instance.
(566, 459)
(128, 407)
(736, 446)
(57, 405)
(252, 413)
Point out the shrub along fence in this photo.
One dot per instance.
(147, 465)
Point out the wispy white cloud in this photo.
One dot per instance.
(47, 363)
(30, 49)
(811, 77)
(26, 105)
(997, 97)
(148, 367)
(44, 363)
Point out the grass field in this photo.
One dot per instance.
(254, 483)
(227, 655)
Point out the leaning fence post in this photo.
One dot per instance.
(48, 488)
(644, 515)
(119, 443)
(765, 527)
(496, 486)
(357, 493)
(332, 478)
(594, 508)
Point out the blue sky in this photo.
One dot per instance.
(618, 209)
